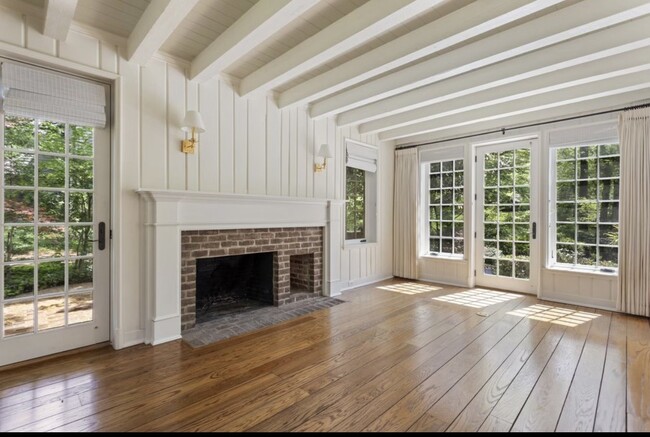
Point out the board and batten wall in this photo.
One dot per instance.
(249, 147)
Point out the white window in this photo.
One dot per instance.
(585, 195)
(360, 192)
(446, 215)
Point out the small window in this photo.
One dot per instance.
(446, 208)
(360, 192)
(355, 211)
(585, 193)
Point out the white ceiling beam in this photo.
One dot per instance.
(461, 25)
(352, 30)
(637, 81)
(58, 18)
(620, 65)
(570, 22)
(259, 23)
(155, 25)
(596, 46)
(602, 103)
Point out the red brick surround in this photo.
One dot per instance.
(284, 242)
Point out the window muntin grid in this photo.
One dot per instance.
(446, 208)
(506, 214)
(47, 225)
(586, 195)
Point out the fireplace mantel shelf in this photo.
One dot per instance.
(180, 196)
(166, 213)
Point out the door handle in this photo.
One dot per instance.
(101, 240)
(534, 230)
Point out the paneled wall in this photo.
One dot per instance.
(249, 147)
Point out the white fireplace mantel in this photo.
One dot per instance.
(165, 213)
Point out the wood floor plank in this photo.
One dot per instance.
(408, 410)
(510, 403)
(611, 412)
(638, 374)
(494, 424)
(390, 358)
(440, 416)
(449, 345)
(479, 408)
(579, 412)
(544, 405)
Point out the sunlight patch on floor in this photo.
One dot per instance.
(477, 298)
(559, 316)
(410, 288)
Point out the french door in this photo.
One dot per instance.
(506, 217)
(55, 237)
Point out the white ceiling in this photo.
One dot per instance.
(409, 70)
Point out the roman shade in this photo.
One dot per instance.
(36, 93)
(597, 133)
(361, 156)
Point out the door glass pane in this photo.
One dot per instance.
(51, 313)
(51, 277)
(48, 225)
(506, 214)
(19, 281)
(18, 318)
(80, 273)
(80, 308)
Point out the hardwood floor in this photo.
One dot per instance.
(392, 359)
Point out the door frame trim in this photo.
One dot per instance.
(535, 192)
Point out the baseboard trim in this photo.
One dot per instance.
(367, 281)
(124, 339)
(601, 304)
(436, 281)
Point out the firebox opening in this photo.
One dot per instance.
(301, 273)
(233, 284)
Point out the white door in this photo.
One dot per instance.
(506, 217)
(55, 211)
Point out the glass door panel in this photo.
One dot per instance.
(505, 225)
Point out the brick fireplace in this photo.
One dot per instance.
(297, 261)
(183, 225)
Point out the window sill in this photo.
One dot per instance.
(352, 244)
(442, 257)
(577, 271)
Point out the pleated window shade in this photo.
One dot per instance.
(361, 156)
(35, 93)
(600, 133)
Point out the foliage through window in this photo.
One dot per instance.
(587, 204)
(48, 213)
(506, 213)
(446, 204)
(355, 207)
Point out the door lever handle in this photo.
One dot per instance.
(102, 237)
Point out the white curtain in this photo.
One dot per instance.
(634, 217)
(406, 213)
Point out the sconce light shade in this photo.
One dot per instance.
(193, 120)
(324, 151)
(192, 123)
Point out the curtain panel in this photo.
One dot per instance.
(634, 217)
(406, 213)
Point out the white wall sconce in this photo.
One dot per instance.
(324, 152)
(192, 123)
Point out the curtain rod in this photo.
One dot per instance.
(504, 129)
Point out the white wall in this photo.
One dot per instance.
(250, 147)
(583, 288)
